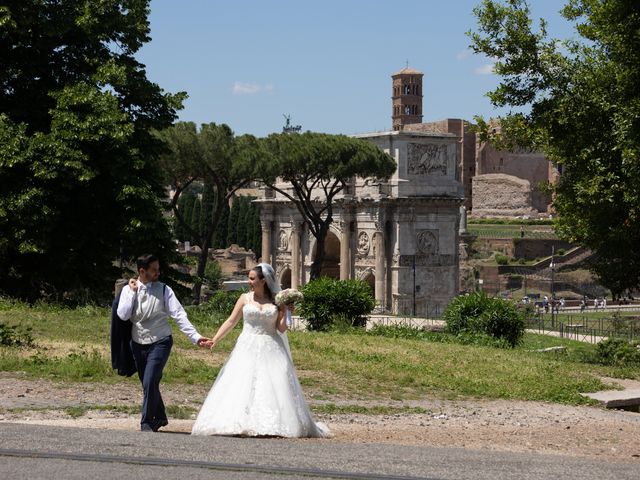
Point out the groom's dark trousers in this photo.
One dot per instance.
(150, 361)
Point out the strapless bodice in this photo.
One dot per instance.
(259, 321)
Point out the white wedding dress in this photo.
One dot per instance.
(257, 392)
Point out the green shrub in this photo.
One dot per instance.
(328, 302)
(213, 274)
(15, 336)
(618, 352)
(501, 259)
(503, 321)
(462, 309)
(479, 314)
(222, 301)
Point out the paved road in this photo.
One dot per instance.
(40, 452)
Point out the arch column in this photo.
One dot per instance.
(345, 250)
(378, 245)
(266, 224)
(295, 255)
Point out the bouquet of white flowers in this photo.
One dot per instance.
(288, 297)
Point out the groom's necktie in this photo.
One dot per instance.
(143, 297)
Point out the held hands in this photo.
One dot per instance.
(205, 342)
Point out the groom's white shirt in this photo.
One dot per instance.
(150, 316)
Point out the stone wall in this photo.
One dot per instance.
(501, 195)
(531, 166)
(532, 248)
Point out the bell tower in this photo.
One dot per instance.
(406, 97)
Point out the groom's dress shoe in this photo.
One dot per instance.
(159, 424)
(145, 427)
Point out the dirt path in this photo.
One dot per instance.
(494, 425)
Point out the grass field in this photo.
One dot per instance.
(72, 345)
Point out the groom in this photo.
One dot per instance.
(149, 304)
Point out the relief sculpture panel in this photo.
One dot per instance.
(364, 244)
(427, 242)
(427, 159)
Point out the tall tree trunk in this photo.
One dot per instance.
(206, 244)
(202, 266)
(318, 259)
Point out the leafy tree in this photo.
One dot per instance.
(207, 204)
(232, 224)
(185, 206)
(256, 230)
(220, 235)
(579, 103)
(310, 169)
(77, 161)
(215, 157)
(244, 209)
(195, 221)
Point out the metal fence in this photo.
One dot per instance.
(584, 328)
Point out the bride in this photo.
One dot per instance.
(257, 392)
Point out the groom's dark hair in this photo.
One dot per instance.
(144, 261)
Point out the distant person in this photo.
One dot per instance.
(562, 303)
(149, 303)
(595, 304)
(583, 305)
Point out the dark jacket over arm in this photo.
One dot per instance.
(121, 355)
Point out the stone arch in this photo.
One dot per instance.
(285, 278)
(369, 277)
(331, 264)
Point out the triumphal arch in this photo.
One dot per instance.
(400, 236)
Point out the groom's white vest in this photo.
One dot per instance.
(150, 319)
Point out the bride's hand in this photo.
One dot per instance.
(205, 342)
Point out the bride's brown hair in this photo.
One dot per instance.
(267, 290)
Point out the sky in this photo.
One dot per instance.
(326, 64)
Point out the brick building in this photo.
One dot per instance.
(495, 182)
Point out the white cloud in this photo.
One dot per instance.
(486, 69)
(464, 54)
(250, 88)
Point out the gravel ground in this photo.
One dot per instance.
(478, 424)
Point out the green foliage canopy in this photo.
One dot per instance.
(79, 182)
(216, 158)
(579, 103)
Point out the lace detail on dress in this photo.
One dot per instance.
(259, 321)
